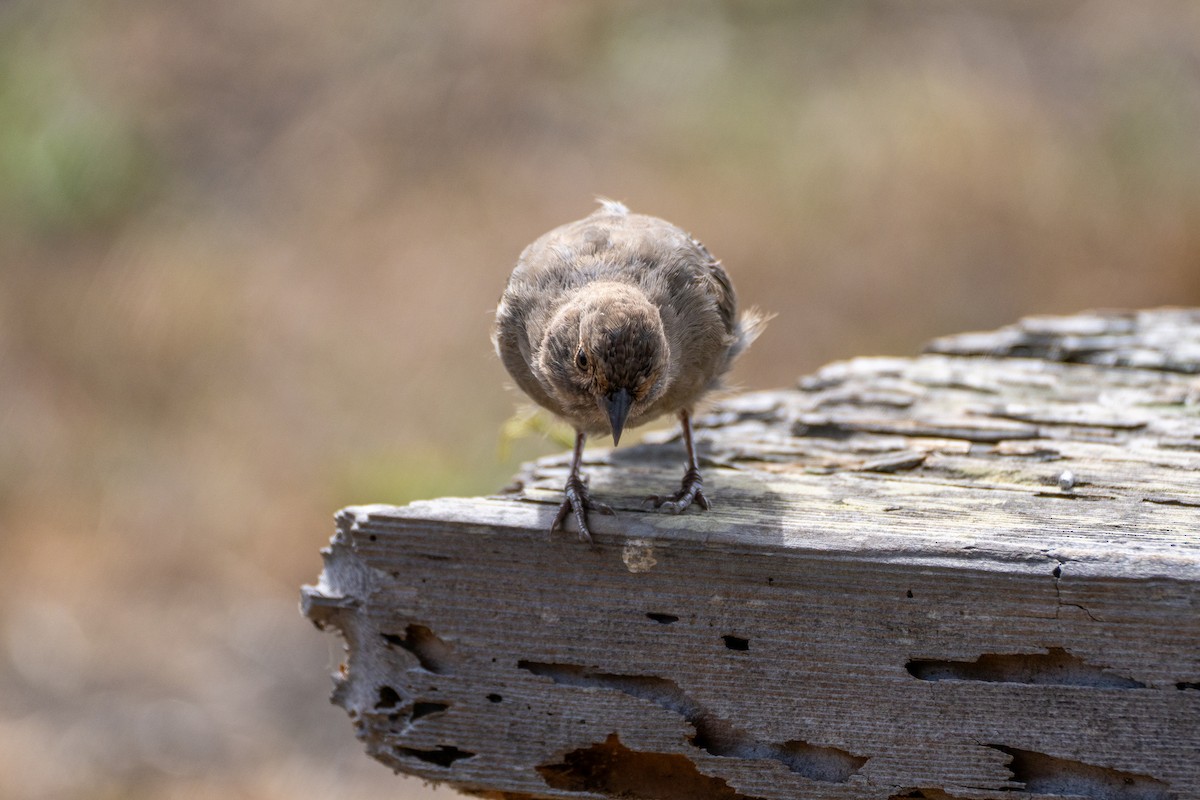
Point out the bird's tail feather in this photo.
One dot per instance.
(749, 326)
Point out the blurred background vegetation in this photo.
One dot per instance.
(249, 250)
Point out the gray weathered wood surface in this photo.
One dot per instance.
(970, 574)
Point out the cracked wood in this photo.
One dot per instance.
(970, 575)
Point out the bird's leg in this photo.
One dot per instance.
(692, 487)
(577, 498)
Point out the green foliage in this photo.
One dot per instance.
(534, 421)
(68, 161)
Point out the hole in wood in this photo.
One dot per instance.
(388, 698)
(495, 698)
(828, 430)
(610, 768)
(424, 709)
(1186, 686)
(442, 756)
(713, 734)
(433, 654)
(1055, 667)
(736, 643)
(662, 619)
(1042, 774)
(1073, 496)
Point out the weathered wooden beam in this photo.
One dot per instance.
(964, 575)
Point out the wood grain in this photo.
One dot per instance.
(964, 575)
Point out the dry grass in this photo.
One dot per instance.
(248, 253)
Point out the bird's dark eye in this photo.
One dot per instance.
(581, 359)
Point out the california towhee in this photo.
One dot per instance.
(613, 321)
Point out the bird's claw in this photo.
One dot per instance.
(691, 491)
(578, 501)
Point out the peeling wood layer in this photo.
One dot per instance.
(1165, 339)
(971, 575)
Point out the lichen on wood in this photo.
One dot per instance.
(970, 575)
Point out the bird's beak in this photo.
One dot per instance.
(616, 405)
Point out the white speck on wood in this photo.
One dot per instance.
(638, 555)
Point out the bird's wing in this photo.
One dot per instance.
(720, 288)
(743, 329)
(511, 339)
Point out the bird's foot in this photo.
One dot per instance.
(691, 491)
(578, 501)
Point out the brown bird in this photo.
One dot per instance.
(612, 321)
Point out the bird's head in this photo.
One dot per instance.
(605, 356)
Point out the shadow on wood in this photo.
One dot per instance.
(973, 574)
